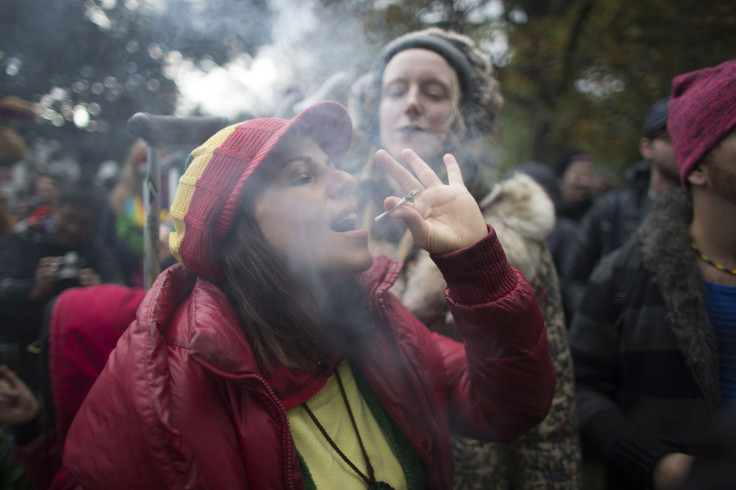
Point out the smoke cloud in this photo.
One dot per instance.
(314, 54)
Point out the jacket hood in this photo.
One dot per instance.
(522, 214)
(84, 327)
(195, 315)
(382, 274)
(207, 326)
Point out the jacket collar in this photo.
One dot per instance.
(665, 240)
(205, 323)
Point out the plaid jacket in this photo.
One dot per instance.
(644, 352)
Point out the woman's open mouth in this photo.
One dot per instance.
(345, 222)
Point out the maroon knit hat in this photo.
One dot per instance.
(210, 191)
(702, 112)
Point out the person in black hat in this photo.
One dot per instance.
(615, 215)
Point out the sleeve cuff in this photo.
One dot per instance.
(478, 273)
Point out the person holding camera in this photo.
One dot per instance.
(36, 264)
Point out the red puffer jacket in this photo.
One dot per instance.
(182, 403)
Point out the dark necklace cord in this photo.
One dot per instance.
(371, 474)
(371, 478)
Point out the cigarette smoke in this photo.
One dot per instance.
(313, 56)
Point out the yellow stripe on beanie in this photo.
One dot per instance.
(196, 165)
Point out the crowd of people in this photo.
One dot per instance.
(359, 299)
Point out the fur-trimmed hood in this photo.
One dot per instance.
(523, 215)
(665, 239)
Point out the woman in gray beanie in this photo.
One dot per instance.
(434, 91)
(456, 115)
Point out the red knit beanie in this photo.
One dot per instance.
(702, 112)
(210, 191)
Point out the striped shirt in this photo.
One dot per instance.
(721, 304)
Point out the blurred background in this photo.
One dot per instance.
(575, 73)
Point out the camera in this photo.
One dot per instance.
(69, 266)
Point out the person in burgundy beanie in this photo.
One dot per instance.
(653, 339)
(703, 112)
(274, 356)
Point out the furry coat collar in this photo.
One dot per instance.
(665, 241)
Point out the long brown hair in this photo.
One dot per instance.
(278, 314)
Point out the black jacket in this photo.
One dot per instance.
(643, 348)
(607, 224)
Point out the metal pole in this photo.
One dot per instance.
(152, 209)
(160, 132)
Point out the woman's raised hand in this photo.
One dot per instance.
(442, 217)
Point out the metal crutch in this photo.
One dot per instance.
(164, 132)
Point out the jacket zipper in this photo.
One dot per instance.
(414, 378)
(286, 440)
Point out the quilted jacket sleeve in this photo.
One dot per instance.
(502, 382)
(597, 345)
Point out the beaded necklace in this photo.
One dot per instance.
(708, 260)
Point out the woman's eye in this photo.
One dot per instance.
(394, 91)
(302, 179)
(435, 95)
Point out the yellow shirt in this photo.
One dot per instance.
(327, 468)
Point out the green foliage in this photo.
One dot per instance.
(579, 73)
(591, 69)
(107, 58)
